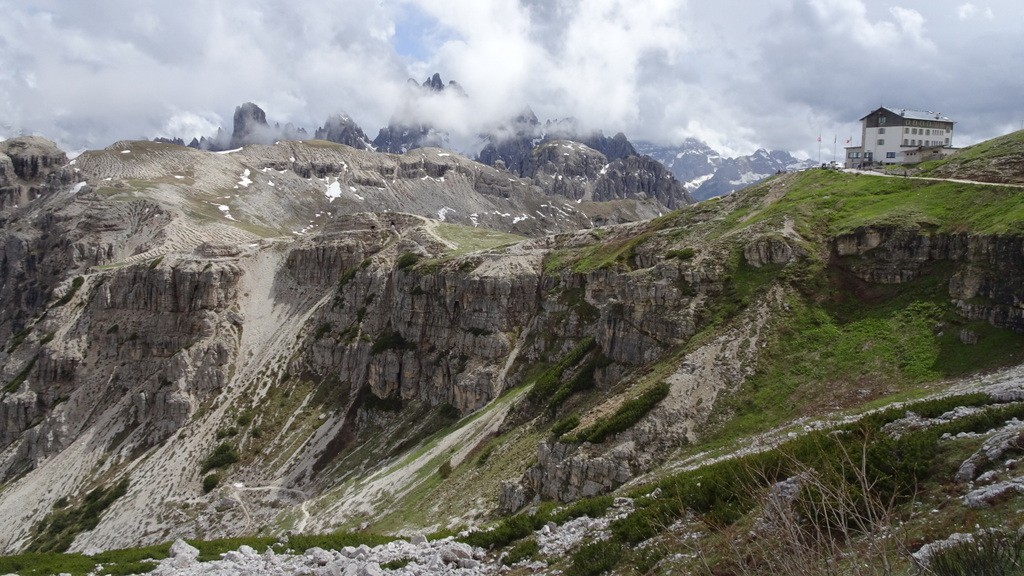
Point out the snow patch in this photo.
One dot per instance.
(245, 181)
(333, 191)
(126, 151)
(697, 182)
(443, 213)
(271, 183)
(519, 219)
(226, 210)
(228, 151)
(178, 177)
(78, 187)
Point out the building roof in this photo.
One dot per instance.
(913, 114)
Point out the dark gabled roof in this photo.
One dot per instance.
(912, 114)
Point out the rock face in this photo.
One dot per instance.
(250, 126)
(579, 165)
(26, 163)
(322, 333)
(411, 127)
(988, 273)
(343, 130)
(705, 173)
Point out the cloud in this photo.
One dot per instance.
(88, 74)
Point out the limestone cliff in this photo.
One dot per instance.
(243, 379)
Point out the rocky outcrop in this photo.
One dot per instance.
(343, 130)
(29, 167)
(580, 165)
(987, 269)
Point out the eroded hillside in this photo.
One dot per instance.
(393, 372)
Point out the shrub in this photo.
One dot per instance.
(595, 558)
(989, 553)
(18, 338)
(445, 469)
(507, 531)
(57, 530)
(406, 260)
(396, 564)
(523, 550)
(210, 482)
(565, 424)
(391, 341)
(223, 455)
(583, 380)
(626, 416)
(682, 254)
(593, 507)
(548, 382)
(75, 285)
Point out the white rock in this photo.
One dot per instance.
(182, 549)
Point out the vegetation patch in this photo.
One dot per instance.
(391, 341)
(210, 482)
(527, 549)
(545, 386)
(20, 377)
(57, 530)
(223, 455)
(72, 290)
(406, 260)
(18, 338)
(625, 417)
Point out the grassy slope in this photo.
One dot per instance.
(832, 349)
(997, 160)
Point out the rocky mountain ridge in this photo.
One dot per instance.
(706, 173)
(228, 376)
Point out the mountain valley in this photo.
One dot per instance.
(301, 337)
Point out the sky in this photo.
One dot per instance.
(737, 74)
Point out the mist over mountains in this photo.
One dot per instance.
(523, 146)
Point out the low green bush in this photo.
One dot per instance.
(210, 482)
(595, 558)
(223, 455)
(626, 416)
(594, 507)
(507, 531)
(988, 553)
(391, 341)
(406, 260)
(396, 564)
(75, 285)
(565, 425)
(549, 381)
(527, 549)
(57, 530)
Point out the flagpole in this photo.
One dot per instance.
(819, 149)
(835, 142)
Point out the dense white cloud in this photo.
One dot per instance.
(736, 74)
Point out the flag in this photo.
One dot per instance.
(835, 138)
(819, 137)
(849, 140)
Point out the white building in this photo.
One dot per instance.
(900, 136)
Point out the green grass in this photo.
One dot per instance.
(57, 530)
(471, 239)
(837, 203)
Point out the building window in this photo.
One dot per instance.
(947, 141)
(906, 130)
(890, 154)
(881, 130)
(881, 141)
(906, 142)
(881, 120)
